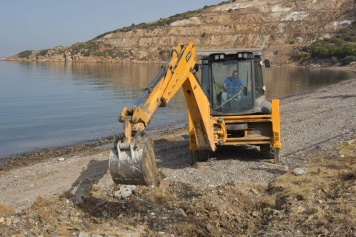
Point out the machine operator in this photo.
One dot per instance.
(232, 85)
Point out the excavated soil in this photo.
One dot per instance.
(69, 192)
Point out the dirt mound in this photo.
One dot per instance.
(174, 208)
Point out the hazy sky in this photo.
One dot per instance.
(42, 24)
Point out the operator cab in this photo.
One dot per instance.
(228, 93)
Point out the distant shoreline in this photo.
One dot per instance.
(312, 64)
(92, 59)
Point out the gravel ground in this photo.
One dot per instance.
(311, 123)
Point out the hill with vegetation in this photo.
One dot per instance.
(287, 31)
(338, 49)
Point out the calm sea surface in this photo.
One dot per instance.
(46, 105)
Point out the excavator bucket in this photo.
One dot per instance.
(134, 163)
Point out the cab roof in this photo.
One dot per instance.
(206, 52)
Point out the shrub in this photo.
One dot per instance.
(340, 46)
(160, 22)
(109, 52)
(24, 54)
(347, 60)
(92, 46)
(348, 50)
(98, 54)
(203, 35)
(303, 56)
(86, 54)
(292, 42)
(336, 41)
(334, 50)
(230, 10)
(334, 60)
(105, 53)
(42, 52)
(320, 51)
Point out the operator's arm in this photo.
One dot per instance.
(241, 83)
(225, 87)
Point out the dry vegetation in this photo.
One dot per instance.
(322, 202)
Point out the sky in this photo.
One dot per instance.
(44, 24)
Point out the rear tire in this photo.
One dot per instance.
(266, 151)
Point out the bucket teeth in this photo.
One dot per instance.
(134, 163)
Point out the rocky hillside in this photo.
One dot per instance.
(281, 27)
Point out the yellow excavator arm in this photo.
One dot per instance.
(132, 159)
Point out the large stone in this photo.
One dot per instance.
(62, 232)
(164, 183)
(209, 228)
(83, 234)
(124, 192)
(181, 212)
(4, 210)
(255, 214)
(53, 234)
(78, 198)
(299, 171)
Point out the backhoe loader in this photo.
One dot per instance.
(217, 116)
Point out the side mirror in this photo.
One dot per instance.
(244, 91)
(196, 67)
(267, 63)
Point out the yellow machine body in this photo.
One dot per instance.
(210, 122)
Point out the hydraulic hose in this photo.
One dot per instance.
(152, 84)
